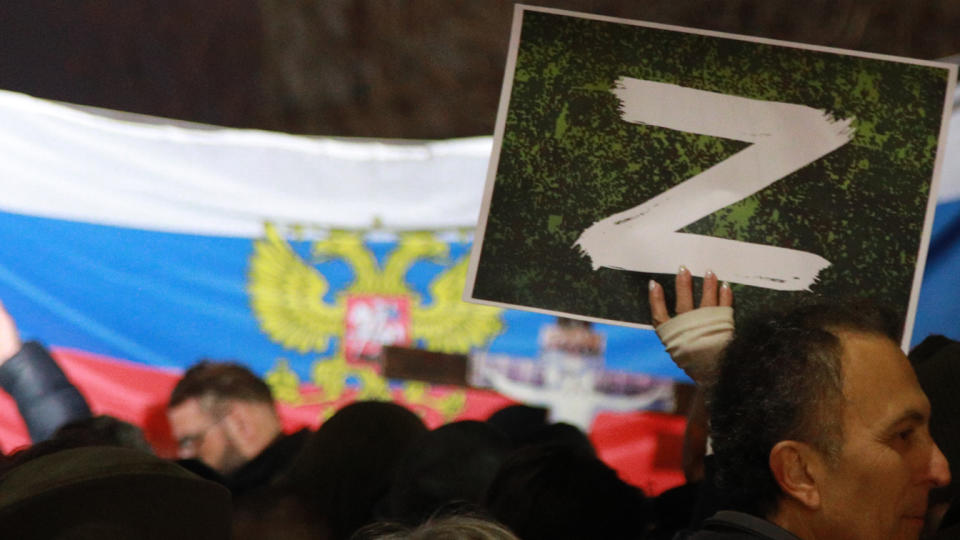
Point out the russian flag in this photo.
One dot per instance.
(134, 246)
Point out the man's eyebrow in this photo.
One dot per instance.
(910, 415)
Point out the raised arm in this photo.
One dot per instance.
(694, 338)
(45, 397)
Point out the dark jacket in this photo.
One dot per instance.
(268, 465)
(260, 471)
(730, 525)
(45, 397)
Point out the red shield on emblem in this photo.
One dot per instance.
(373, 321)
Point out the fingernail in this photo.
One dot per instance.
(725, 285)
(682, 269)
(652, 285)
(708, 274)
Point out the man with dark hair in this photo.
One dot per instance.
(224, 416)
(820, 429)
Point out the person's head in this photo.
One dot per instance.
(223, 415)
(819, 424)
(109, 492)
(527, 425)
(558, 491)
(104, 430)
(519, 421)
(345, 468)
(461, 527)
(454, 463)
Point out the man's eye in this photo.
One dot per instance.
(187, 441)
(906, 434)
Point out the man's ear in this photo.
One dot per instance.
(794, 465)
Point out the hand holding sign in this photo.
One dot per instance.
(712, 295)
(694, 338)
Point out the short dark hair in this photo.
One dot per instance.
(454, 462)
(560, 491)
(781, 378)
(104, 430)
(217, 381)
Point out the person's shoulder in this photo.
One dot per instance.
(298, 437)
(706, 534)
(730, 525)
(287, 446)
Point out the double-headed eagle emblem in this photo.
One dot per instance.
(290, 298)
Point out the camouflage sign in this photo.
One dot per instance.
(624, 149)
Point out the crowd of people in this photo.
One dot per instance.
(810, 423)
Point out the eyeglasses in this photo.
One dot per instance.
(188, 444)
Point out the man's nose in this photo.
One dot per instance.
(939, 468)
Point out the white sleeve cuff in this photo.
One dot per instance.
(696, 339)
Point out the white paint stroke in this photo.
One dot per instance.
(785, 137)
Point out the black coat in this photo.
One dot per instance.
(261, 471)
(730, 525)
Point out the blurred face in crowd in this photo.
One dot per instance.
(203, 435)
(877, 487)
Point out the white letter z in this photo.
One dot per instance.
(785, 138)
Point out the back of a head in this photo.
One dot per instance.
(345, 468)
(453, 463)
(527, 425)
(220, 380)
(101, 430)
(781, 378)
(104, 430)
(519, 421)
(558, 492)
(450, 527)
(936, 362)
(110, 492)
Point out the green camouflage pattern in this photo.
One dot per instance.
(568, 160)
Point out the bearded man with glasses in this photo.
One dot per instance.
(224, 416)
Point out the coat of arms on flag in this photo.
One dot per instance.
(373, 304)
